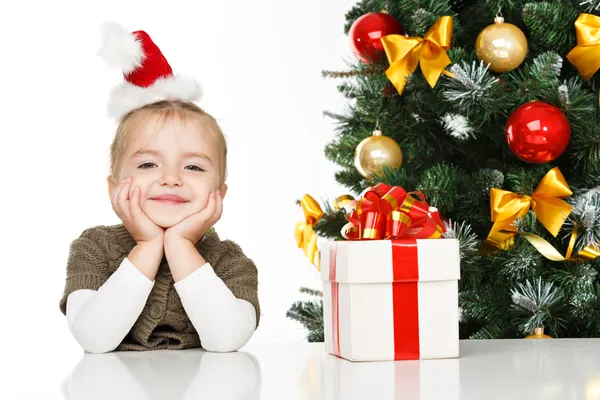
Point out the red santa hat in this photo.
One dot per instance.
(148, 75)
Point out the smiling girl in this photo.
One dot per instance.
(162, 279)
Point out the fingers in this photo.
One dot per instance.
(218, 207)
(116, 196)
(214, 208)
(123, 198)
(134, 204)
(210, 206)
(135, 210)
(115, 193)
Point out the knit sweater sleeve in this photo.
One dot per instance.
(87, 265)
(238, 272)
(224, 323)
(99, 320)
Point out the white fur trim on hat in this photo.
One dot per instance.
(120, 48)
(127, 97)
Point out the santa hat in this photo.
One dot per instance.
(148, 76)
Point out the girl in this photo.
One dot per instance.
(162, 279)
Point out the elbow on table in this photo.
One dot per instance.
(230, 334)
(95, 346)
(226, 343)
(223, 346)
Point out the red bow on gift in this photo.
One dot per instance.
(389, 212)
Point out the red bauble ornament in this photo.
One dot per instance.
(366, 33)
(537, 132)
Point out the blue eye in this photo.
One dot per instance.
(195, 166)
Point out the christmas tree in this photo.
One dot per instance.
(489, 109)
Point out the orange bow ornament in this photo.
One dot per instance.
(586, 55)
(405, 53)
(386, 212)
(306, 237)
(546, 202)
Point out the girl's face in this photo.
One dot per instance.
(181, 158)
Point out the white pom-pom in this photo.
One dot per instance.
(120, 48)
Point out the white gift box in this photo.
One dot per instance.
(389, 300)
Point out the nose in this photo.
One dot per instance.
(171, 177)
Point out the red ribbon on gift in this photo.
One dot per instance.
(389, 212)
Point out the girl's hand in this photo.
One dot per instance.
(126, 203)
(196, 225)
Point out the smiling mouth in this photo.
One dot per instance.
(169, 202)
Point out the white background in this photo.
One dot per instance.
(260, 65)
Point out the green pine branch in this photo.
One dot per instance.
(309, 313)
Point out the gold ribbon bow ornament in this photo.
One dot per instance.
(546, 201)
(586, 55)
(306, 237)
(550, 209)
(405, 53)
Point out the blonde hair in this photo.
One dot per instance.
(165, 110)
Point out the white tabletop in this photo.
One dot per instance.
(496, 369)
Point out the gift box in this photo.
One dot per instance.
(391, 299)
(390, 290)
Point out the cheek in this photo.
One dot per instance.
(200, 199)
(143, 183)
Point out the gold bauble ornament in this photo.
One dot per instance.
(538, 333)
(501, 45)
(376, 152)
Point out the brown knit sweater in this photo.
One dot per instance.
(163, 324)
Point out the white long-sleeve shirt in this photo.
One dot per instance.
(100, 319)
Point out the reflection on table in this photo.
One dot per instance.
(164, 374)
(554, 369)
